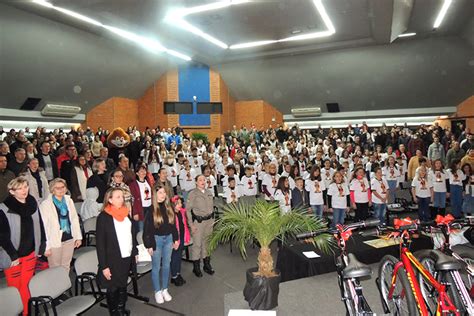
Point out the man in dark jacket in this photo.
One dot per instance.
(5, 177)
(68, 164)
(18, 164)
(47, 161)
(299, 196)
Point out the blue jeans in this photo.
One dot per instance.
(424, 209)
(380, 210)
(468, 204)
(338, 216)
(439, 200)
(176, 260)
(456, 200)
(392, 185)
(138, 225)
(185, 196)
(161, 261)
(318, 210)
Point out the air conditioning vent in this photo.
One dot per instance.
(305, 112)
(60, 110)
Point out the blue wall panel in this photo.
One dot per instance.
(194, 81)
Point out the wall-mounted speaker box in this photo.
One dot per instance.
(209, 108)
(333, 107)
(178, 107)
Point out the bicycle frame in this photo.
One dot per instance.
(408, 261)
(355, 289)
(445, 229)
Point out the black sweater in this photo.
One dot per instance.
(27, 238)
(149, 229)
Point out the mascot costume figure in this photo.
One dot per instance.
(117, 143)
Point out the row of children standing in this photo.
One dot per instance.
(435, 185)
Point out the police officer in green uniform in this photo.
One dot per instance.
(199, 210)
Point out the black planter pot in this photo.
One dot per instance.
(261, 292)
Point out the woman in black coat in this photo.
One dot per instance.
(116, 248)
(99, 179)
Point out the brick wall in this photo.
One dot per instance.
(248, 113)
(112, 113)
(465, 110)
(147, 111)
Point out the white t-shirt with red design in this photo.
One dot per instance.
(438, 179)
(422, 187)
(270, 182)
(361, 189)
(284, 199)
(456, 178)
(315, 189)
(145, 193)
(248, 186)
(381, 187)
(338, 193)
(231, 195)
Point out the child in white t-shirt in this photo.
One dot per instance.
(338, 199)
(269, 182)
(283, 194)
(379, 187)
(360, 194)
(317, 191)
(422, 191)
(439, 179)
(187, 179)
(456, 178)
(231, 192)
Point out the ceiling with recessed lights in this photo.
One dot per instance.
(288, 52)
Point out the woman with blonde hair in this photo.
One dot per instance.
(116, 247)
(21, 238)
(61, 225)
(160, 237)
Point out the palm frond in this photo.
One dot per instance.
(241, 223)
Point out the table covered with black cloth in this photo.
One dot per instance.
(293, 264)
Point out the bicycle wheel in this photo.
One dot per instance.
(348, 301)
(427, 290)
(467, 254)
(403, 301)
(429, 293)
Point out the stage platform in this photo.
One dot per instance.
(317, 295)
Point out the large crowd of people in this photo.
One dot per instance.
(164, 184)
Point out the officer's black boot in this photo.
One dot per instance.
(122, 301)
(197, 268)
(112, 302)
(207, 266)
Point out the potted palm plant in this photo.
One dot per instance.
(264, 222)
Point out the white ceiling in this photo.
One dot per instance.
(45, 53)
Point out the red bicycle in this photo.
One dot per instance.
(398, 283)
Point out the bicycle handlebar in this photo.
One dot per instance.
(367, 223)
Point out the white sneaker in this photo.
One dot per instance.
(166, 295)
(159, 297)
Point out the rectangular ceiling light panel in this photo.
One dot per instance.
(442, 13)
(149, 44)
(177, 18)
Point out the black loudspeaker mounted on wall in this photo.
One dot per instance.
(333, 107)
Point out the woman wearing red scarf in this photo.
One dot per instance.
(116, 246)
